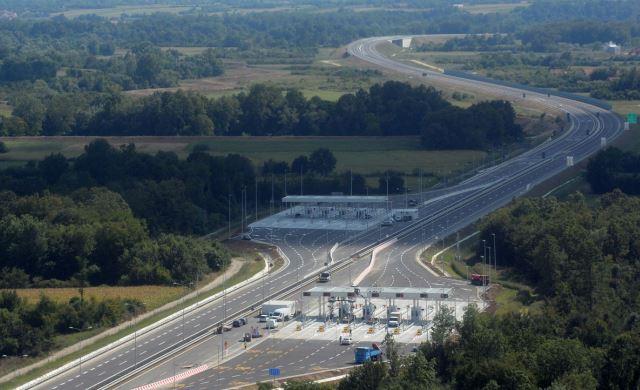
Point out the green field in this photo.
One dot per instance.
(366, 155)
(115, 12)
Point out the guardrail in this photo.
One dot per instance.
(372, 261)
(179, 346)
(75, 363)
(345, 262)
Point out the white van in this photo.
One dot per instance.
(272, 323)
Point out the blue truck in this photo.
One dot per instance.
(364, 354)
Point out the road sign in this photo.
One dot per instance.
(632, 118)
(274, 372)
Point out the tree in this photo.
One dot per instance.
(443, 324)
(322, 161)
(3, 148)
(53, 167)
(300, 165)
(369, 376)
(391, 180)
(393, 356)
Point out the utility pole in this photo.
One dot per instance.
(256, 198)
(300, 179)
(229, 212)
(285, 183)
(272, 198)
(484, 259)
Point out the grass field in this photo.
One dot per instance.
(366, 155)
(152, 296)
(115, 12)
(623, 107)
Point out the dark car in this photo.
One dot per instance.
(237, 323)
(247, 337)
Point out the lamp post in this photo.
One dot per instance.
(184, 303)
(495, 255)
(81, 344)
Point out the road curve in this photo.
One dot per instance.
(307, 250)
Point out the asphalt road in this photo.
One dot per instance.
(308, 250)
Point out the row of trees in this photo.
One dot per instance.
(390, 109)
(143, 66)
(182, 196)
(92, 237)
(30, 328)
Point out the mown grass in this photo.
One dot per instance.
(365, 155)
(248, 269)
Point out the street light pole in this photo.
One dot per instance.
(495, 255)
(484, 258)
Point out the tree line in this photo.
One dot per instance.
(91, 237)
(189, 196)
(390, 109)
(29, 329)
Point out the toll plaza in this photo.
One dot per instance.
(332, 212)
(346, 304)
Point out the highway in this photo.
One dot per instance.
(444, 212)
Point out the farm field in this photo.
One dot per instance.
(152, 296)
(366, 155)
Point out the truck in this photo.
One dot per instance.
(479, 280)
(394, 320)
(365, 354)
(284, 309)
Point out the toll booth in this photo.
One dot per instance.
(340, 303)
(405, 214)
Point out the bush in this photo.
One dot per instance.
(3, 147)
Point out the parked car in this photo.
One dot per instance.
(237, 323)
(263, 318)
(247, 337)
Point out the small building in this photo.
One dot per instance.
(404, 43)
(458, 6)
(612, 48)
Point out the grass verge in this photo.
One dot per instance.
(250, 268)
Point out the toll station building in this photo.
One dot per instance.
(331, 212)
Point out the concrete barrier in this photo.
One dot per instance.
(372, 261)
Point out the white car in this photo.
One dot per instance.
(345, 340)
(263, 318)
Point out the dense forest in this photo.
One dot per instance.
(391, 109)
(91, 237)
(583, 262)
(614, 169)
